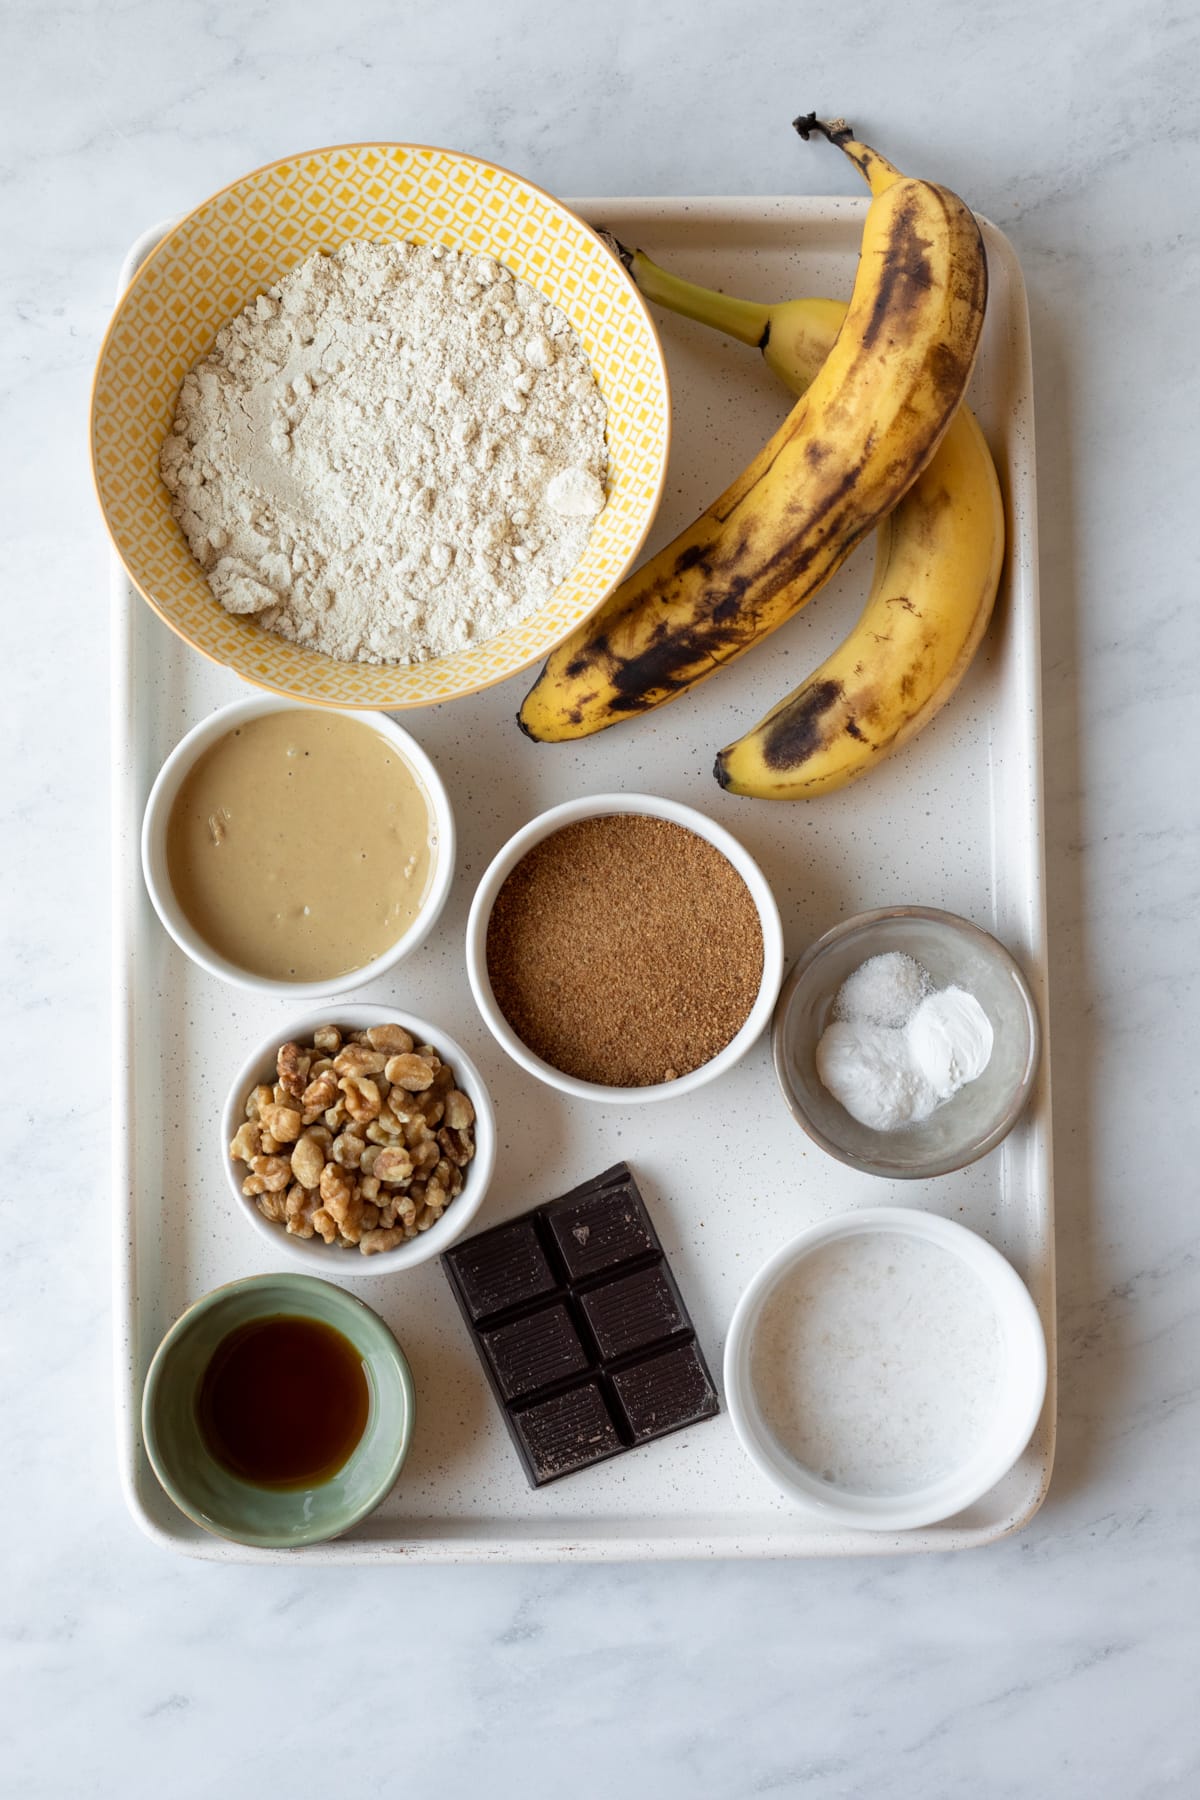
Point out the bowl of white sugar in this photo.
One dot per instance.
(906, 1042)
(885, 1369)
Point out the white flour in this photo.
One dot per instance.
(395, 452)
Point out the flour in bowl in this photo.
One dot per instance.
(397, 451)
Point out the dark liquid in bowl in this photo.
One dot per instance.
(284, 1402)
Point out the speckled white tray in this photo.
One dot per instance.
(955, 821)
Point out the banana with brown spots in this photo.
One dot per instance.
(849, 450)
(937, 568)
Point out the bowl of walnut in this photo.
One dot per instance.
(360, 1129)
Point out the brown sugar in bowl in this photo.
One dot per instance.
(624, 948)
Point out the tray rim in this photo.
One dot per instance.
(557, 1546)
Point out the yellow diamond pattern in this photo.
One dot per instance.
(243, 240)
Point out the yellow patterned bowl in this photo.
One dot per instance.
(243, 240)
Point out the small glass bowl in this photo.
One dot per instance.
(956, 953)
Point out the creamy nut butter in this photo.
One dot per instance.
(300, 845)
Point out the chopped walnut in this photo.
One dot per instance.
(318, 1095)
(308, 1160)
(357, 1059)
(395, 1167)
(392, 1039)
(247, 1142)
(348, 1150)
(300, 1211)
(413, 1073)
(362, 1097)
(325, 1224)
(457, 1147)
(337, 1188)
(292, 1065)
(426, 1155)
(433, 1108)
(360, 1140)
(283, 1123)
(459, 1111)
(274, 1171)
(372, 1242)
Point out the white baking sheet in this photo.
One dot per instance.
(954, 821)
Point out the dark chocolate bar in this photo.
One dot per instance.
(581, 1329)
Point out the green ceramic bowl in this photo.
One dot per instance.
(275, 1518)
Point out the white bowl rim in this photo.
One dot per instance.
(312, 1254)
(544, 825)
(162, 795)
(1025, 1344)
(883, 1165)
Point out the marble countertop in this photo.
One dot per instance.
(1060, 1662)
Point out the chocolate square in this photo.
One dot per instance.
(635, 1311)
(581, 1328)
(664, 1393)
(534, 1352)
(501, 1268)
(601, 1225)
(570, 1431)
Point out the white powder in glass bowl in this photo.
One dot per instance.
(895, 1049)
(396, 451)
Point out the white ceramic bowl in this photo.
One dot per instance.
(333, 1260)
(154, 850)
(955, 952)
(598, 805)
(1021, 1387)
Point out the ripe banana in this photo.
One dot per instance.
(850, 448)
(937, 567)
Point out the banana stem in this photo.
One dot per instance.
(745, 320)
(877, 172)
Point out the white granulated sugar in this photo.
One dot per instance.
(397, 451)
